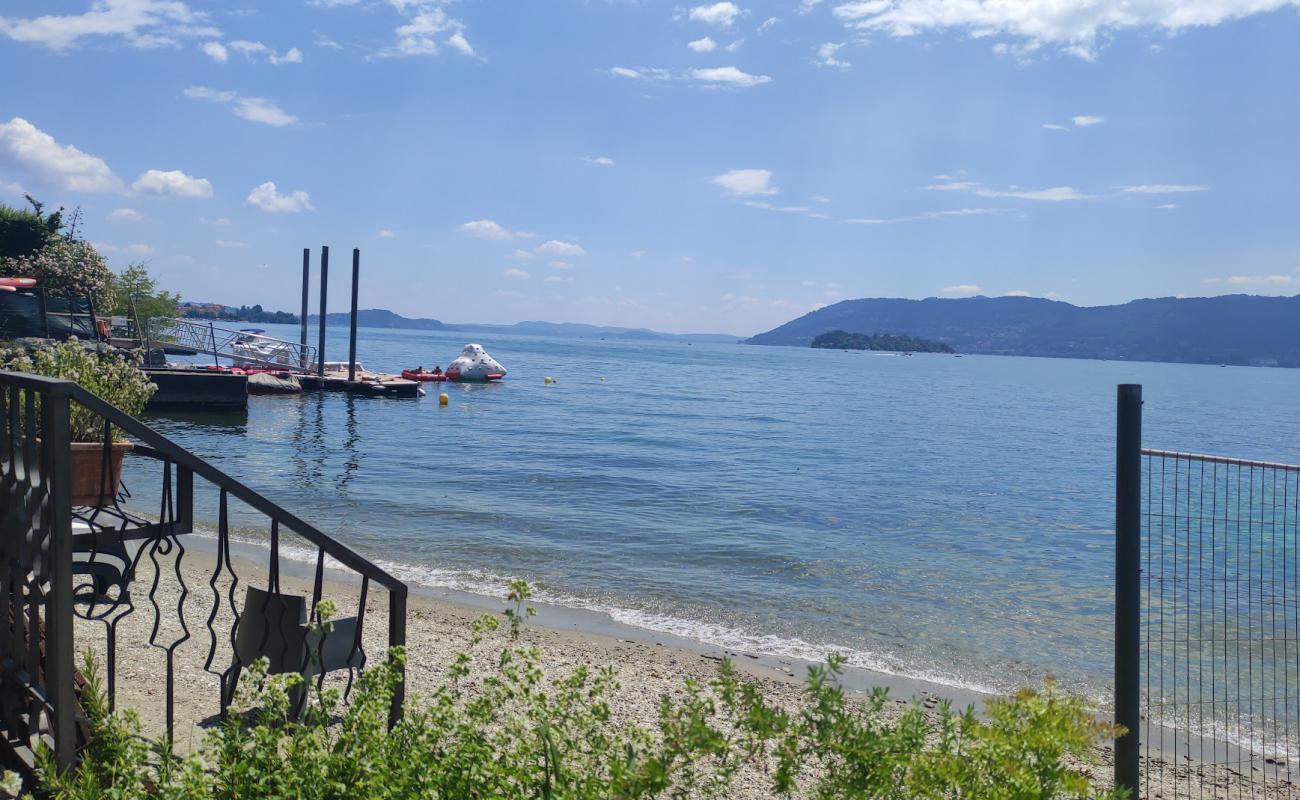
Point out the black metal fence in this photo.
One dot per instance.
(1207, 621)
(175, 610)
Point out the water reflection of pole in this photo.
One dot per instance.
(309, 437)
(353, 462)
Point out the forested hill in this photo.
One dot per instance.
(1232, 329)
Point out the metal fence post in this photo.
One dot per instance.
(56, 453)
(397, 638)
(1128, 583)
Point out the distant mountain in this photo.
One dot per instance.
(578, 330)
(380, 318)
(1231, 329)
(383, 318)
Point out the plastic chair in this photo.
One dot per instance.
(274, 626)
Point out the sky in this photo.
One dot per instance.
(721, 167)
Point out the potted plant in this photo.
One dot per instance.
(117, 380)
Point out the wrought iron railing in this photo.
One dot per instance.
(141, 585)
(241, 347)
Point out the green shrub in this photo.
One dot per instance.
(115, 378)
(24, 232)
(502, 729)
(68, 267)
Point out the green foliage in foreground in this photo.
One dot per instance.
(843, 340)
(23, 232)
(500, 728)
(116, 378)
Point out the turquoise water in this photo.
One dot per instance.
(938, 517)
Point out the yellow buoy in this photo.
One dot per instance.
(548, 380)
(443, 399)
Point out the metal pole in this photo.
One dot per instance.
(306, 273)
(324, 286)
(1128, 583)
(212, 339)
(397, 638)
(352, 334)
(59, 655)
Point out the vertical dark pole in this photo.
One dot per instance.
(324, 286)
(58, 608)
(397, 638)
(306, 274)
(352, 333)
(1128, 583)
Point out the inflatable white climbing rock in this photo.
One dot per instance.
(474, 364)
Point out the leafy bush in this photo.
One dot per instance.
(502, 729)
(68, 267)
(24, 232)
(115, 378)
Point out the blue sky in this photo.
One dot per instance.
(715, 167)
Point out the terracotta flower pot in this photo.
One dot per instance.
(88, 472)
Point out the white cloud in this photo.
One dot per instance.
(1165, 188)
(1262, 280)
(705, 45)
(517, 274)
(729, 76)
(291, 56)
(746, 182)
(560, 265)
(142, 23)
(558, 279)
(1052, 126)
(734, 46)
(521, 255)
(1074, 27)
(1019, 293)
(963, 289)
(1166, 207)
(826, 56)
(558, 248)
(229, 244)
(127, 250)
(386, 234)
(808, 6)
(460, 44)
(1054, 194)
(27, 150)
(126, 215)
(253, 109)
(488, 229)
(721, 14)
(768, 24)
(820, 198)
(173, 183)
(427, 23)
(1085, 121)
(603, 161)
(267, 198)
(216, 51)
(642, 73)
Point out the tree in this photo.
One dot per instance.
(25, 232)
(136, 295)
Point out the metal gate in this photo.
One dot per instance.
(1207, 647)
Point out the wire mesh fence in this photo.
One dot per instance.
(1218, 669)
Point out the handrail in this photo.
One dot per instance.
(184, 458)
(206, 337)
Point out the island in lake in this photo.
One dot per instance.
(843, 340)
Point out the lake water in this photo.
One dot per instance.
(938, 517)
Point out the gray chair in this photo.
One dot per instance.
(274, 626)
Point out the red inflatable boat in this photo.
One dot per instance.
(423, 375)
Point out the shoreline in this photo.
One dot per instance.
(649, 666)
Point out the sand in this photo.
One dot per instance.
(649, 665)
